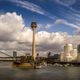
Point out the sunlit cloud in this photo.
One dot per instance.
(21, 40)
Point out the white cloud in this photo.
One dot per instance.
(77, 32)
(72, 12)
(30, 6)
(33, 7)
(10, 25)
(66, 2)
(62, 21)
(45, 26)
(11, 36)
(26, 35)
(48, 26)
(40, 26)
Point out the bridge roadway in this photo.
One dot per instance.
(9, 59)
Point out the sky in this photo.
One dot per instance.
(58, 23)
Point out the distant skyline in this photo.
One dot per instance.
(58, 23)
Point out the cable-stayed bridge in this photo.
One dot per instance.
(6, 57)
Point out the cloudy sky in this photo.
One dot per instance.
(58, 23)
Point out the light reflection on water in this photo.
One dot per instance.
(47, 73)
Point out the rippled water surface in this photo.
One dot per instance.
(47, 73)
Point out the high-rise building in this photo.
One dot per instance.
(69, 54)
(62, 56)
(68, 48)
(74, 54)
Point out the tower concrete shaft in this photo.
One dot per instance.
(33, 26)
(33, 46)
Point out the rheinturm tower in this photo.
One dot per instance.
(33, 26)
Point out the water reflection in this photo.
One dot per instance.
(48, 73)
(73, 73)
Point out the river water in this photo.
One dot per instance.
(47, 73)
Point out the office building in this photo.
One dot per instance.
(69, 54)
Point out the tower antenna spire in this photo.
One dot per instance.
(33, 18)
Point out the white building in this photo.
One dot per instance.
(69, 53)
(68, 48)
(74, 54)
(62, 56)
